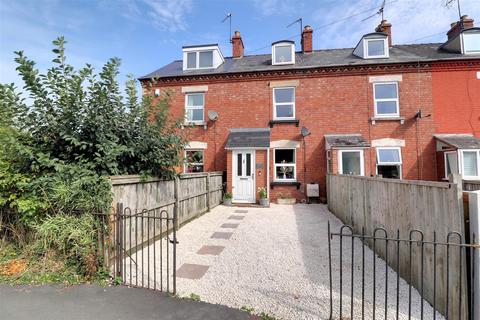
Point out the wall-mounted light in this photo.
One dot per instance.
(157, 92)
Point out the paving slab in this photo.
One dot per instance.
(229, 225)
(212, 250)
(104, 303)
(222, 235)
(240, 211)
(192, 271)
(235, 217)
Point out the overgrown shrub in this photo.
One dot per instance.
(61, 137)
(72, 237)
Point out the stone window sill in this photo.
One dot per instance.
(195, 124)
(285, 183)
(375, 119)
(286, 121)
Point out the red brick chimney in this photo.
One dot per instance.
(237, 45)
(385, 27)
(307, 36)
(457, 26)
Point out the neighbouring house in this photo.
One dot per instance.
(284, 120)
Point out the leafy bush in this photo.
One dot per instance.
(61, 137)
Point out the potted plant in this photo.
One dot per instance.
(227, 198)
(286, 199)
(262, 193)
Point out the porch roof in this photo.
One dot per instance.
(345, 141)
(459, 141)
(248, 138)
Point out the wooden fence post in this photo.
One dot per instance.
(176, 206)
(208, 191)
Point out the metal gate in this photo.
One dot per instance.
(139, 247)
(441, 271)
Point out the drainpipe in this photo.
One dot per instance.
(268, 174)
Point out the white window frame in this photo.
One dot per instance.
(476, 51)
(197, 60)
(275, 104)
(399, 164)
(461, 168)
(283, 44)
(375, 100)
(186, 163)
(340, 162)
(445, 162)
(187, 107)
(385, 48)
(294, 165)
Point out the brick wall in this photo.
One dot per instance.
(325, 105)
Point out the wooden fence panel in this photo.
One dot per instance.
(160, 197)
(366, 202)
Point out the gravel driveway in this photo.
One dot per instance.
(275, 260)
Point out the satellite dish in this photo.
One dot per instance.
(304, 131)
(212, 115)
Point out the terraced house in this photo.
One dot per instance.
(286, 119)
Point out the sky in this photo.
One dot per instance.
(148, 34)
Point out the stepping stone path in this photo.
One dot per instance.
(192, 271)
(196, 271)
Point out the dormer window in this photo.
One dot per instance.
(471, 41)
(202, 57)
(376, 48)
(372, 46)
(283, 52)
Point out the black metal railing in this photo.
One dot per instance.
(139, 247)
(424, 264)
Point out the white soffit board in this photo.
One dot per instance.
(196, 145)
(389, 78)
(290, 144)
(388, 142)
(194, 89)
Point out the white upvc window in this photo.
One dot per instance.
(194, 107)
(200, 59)
(376, 48)
(385, 96)
(389, 162)
(283, 53)
(284, 103)
(470, 160)
(471, 42)
(193, 161)
(451, 163)
(285, 164)
(351, 162)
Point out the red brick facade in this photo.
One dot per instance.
(336, 103)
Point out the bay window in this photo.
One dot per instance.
(470, 164)
(285, 164)
(389, 162)
(350, 162)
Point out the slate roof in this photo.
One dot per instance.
(318, 58)
(248, 138)
(460, 141)
(345, 140)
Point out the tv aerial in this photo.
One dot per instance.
(229, 18)
(379, 12)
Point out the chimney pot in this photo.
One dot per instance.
(385, 27)
(307, 39)
(456, 27)
(237, 45)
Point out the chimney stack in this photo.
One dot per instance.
(307, 42)
(456, 27)
(237, 45)
(385, 27)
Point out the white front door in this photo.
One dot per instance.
(243, 176)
